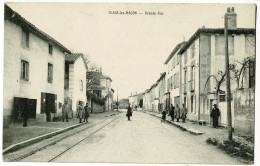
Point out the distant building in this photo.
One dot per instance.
(102, 92)
(34, 65)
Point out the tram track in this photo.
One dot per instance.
(59, 138)
(63, 152)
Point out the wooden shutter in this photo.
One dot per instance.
(31, 107)
(43, 103)
(55, 104)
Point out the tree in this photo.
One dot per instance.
(220, 78)
(238, 72)
(93, 79)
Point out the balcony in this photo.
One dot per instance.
(184, 88)
(191, 85)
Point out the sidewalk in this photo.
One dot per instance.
(16, 134)
(207, 131)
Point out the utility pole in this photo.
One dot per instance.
(229, 115)
(117, 99)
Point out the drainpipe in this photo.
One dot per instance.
(199, 83)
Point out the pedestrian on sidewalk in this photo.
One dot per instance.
(215, 113)
(65, 111)
(163, 116)
(129, 112)
(177, 112)
(172, 112)
(86, 113)
(183, 113)
(80, 111)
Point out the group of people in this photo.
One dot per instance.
(176, 112)
(82, 112)
(181, 113)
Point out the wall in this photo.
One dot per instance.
(97, 108)
(244, 102)
(38, 57)
(79, 74)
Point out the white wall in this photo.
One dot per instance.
(38, 57)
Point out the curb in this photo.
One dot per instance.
(192, 131)
(23, 144)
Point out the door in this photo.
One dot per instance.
(48, 104)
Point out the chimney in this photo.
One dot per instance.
(232, 18)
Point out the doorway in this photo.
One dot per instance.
(48, 105)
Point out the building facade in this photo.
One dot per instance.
(75, 80)
(203, 62)
(33, 71)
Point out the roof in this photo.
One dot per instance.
(177, 47)
(74, 56)
(105, 77)
(216, 31)
(19, 20)
(161, 77)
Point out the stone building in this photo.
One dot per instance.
(34, 63)
(203, 59)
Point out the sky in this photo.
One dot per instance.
(131, 49)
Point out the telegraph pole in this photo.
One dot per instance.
(117, 100)
(229, 115)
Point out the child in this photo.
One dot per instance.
(163, 116)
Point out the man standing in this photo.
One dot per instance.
(129, 112)
(65, 111)
(215, 113)
(172, 112)
(80, 111)
(177, 112)
(183, 113)
(87, 111)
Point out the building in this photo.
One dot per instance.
(107, 92)
(161, 92)
(75, 79)
(203, 68)
(34, 65)
(173, 76)
(102, 94)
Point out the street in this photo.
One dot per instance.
(144, 139)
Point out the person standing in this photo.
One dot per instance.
(177, 112)
(80, 111)
(215, 113)
(172, 112)
(87, 112)
(65, 111)
(163, 116)
(183, 113)
(129, 112)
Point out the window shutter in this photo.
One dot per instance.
(43, 103)
(27, 71)
(55, 105)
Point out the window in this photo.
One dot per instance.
(50, 73)
(80, 85)
(222, 98)
(25, 38)
(251, 74)
(192, 50)
(176, 80)
(192, 73)
(171, 83)
(185, 76)
(191, 104)
(50, 49)
(185, 57)
(25, 70)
